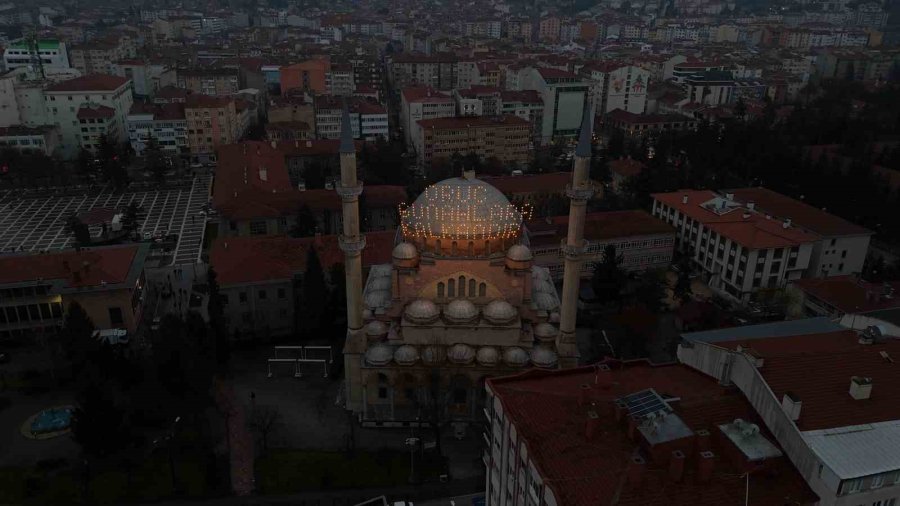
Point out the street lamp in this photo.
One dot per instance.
(170, 438)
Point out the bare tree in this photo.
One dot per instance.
(265, 421)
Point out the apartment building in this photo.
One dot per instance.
(65, 100)
(95, 123)
(37, 289)
(369, 119)
(422, 102)
(641, 125)
(837, 296)
(310, 76)
(738, 248)
(826, 391)
(506, 138)
(99, 55)
(629, 432)
(211, 122)
(146, 77)
(339, 80)
(564, 95)
(528, 105)
(435, 70)
(642, 241)
(164, 123)
(52, 54)
(44, 139)
(616, 85)
(219, 82)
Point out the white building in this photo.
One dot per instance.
(45, 139)
(63, 101)
(422, 102)
(164, 123)
(616, 85)
(564, 94)
(146, 77)
(52, 54)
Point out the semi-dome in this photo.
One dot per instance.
(461, 311)
(487, 355)
(519, 253)
(422, 311)
(380, 283)
(544, 301)
(541, 356)
(433, 355)
(376, 299)
(405, 251)
(376, 328)
(545, 332)
(461, 354)
(461, 208)
(379, 354)
(515, 356)
(406, 355)
(499, 312)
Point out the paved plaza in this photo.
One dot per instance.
(35, 220)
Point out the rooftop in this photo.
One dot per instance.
(425, 94)
(95, 111)
(90, 82)
(88, 268)
(850, 294)
(473, 122)
(550, 182)
(805, 215)
(598, 226)
(626, 167)
(584, 471)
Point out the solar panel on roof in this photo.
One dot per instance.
(643, 403)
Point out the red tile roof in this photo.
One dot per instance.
(255, 259)
(600, 226)
(817, 368)
(800, 213)
(626, 167)
(507, 120)
(552, 73)
(425, 94)
(592, 472)
(90, 82)
(524, 96)
(87, 268)
(95, 111)
(849, 294)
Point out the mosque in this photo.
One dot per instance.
(461, 300)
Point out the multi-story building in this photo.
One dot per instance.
(211, 122)
(52, 54)
(630, 432)
(310, 76)
(616, 85)
(97, 122)
(435, 70)
(146, 77)
(98, 56)
(642, 125)
(826, 391)
(422, 102)
(548, 29)
(214, 82)
(526, 104)
(506, 138)
(164, 123)
(739, 248)
(369, 119)
(42, 139)
(642, 241)
(564, 95)
(37, 289)
(339, 80)
(837, 296)
(65, 99)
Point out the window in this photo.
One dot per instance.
(852, 486)
(258, 227)
(382, 387)
(281, 293)
(115, 316)
(242, 297)
(440, 290)
(472, 288)
(462, 286)
(877, 481)
(451, 288)
(262, 295)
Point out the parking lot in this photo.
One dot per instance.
(35, 220)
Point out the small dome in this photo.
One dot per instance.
(519, 253)
(461, 354)
(422, 311)
(543, 286)
(461, 311)
(406, 355)
(405, 251)
(487, 355)
(379, 354)
(545, 332)
(378, 299)
(433, 355)
(545, 301)
(554, 317)
(367, 313)
(499, 312)
(376, 328)
(541, 356)
(515, 356)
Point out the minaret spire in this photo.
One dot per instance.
(352, 243)
(579, 192)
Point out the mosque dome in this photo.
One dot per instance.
(461, 354)
(405, 251)
(487, 355)
(545, 332)
(422, 311)
(541, 356)
(460, 311)
(376, 329)
(406, 355)
(519, 253)
(515, 356)
(379, 354)
(499, 312)
(461, 208)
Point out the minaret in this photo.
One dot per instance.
(352, 243)
(579, 192)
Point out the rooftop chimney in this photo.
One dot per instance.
(705, 465)
(729, 196)
(273, 144)
(860, 387)
(676, 465)
(791, 405)
(684, 199)
(787, 222)
(635, 471)
(751, 205)
(746, 216)
(263, 174)
(592, 424)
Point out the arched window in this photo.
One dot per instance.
(471, 288)
(453, 248)
(482, 290)
(440, 289)
(487, 247)
(462, 286)
(437, 247)
(451, 288)
(382, 386)
(471, 249)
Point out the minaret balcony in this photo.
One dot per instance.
(349, 193)
(573, 251)
(581, 193)
(352, 245)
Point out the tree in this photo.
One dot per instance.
(80, 232)
(682, 290)
(650, 290)
(313, 293)
(130, 217)
(608, 279)
(156, 160)
(98, 424)
(112, 163)
(265, 421)
(305, 223)
(216, 312)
